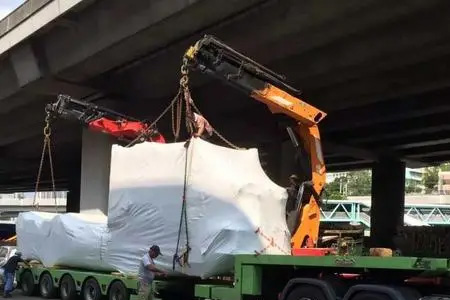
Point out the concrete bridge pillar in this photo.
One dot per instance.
(388, 201)
(95, 168)
(73, 195)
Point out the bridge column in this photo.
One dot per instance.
(388, 201)
(95, 168)
(73, 195)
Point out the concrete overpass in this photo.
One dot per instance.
(378, 69)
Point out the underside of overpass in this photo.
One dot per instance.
(379, 69)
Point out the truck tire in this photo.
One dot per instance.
(46, 286)
(27, 283)
(370, 296)
(118, 291)
(306, 291)
(67, 288)
(91, 290)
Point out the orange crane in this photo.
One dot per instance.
(213, 57)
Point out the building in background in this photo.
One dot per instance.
(444, 182)
(415, 175)
(332, 176)
(414, 181)
(13, 204)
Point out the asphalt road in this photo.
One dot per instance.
(17, 294)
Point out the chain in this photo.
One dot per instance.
(176, 112)
(184, 83)
(230, 144)
(176, 116)
(176, 106)
(140, 136)
(46, 146)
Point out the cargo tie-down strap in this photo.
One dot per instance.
(269, 245)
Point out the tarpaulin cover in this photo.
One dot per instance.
(232, 208)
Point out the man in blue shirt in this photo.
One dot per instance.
(148, 271)
(9, 272)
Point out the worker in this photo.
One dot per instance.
(292, 191)
(201, 124)
(199, 121)
(148, 271)
(9, 273)
(291, 203)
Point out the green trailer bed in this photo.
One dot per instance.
(68, 282)
(254, 274)
(255, 277)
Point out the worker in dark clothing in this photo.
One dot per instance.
(292, 191)
(291, 203)
(9, 272)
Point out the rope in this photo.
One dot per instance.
(270, 244)
(176, 106)
(46, 146)
(140, 136)
(183, 217)
(226, 141)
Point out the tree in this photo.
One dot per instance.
(333, 190)
(430, 178)
(359, 183)
(411, 186)
(445, 167)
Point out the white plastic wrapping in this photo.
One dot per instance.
(228, 198)
(232, 208)
(33, 229)
(74, 240)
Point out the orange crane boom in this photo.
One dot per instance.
(213, 57)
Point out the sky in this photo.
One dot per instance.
(7, 6)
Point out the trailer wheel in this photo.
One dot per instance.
(305, 292)
(68, 289)
(91, 290)
(46, 286)
(370, 296)
(27, 283)
(118, 291)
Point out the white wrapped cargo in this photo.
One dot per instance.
(33, 229)
(232, 208)
(73, 240)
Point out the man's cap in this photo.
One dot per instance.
(155, 248)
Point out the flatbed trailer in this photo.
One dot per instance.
(331, 278)
(68, 283)
(263, 277)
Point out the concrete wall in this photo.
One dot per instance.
(95, 168)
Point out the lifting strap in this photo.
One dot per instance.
(46, 148)
(183, 259)
(183, 97)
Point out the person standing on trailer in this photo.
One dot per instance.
(9, 273)
(148, 271)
